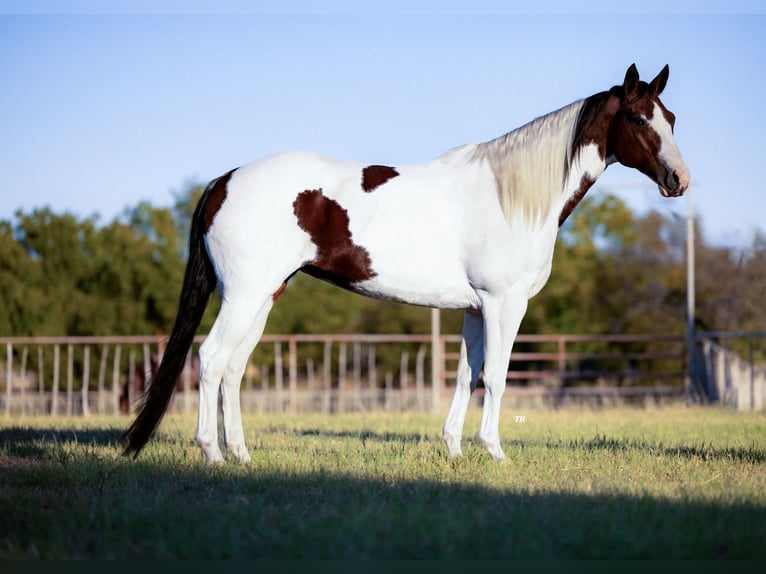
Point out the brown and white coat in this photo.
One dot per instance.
(474, 229)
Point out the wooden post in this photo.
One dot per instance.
(292, 348)
(85, 380)
(131, 378)
(404, 366)
(327, 376)
(372, 376)
(116, 380)
(8, 377)
(101, 406)
(279, 375)
(40, 377)
(55, 394)
(23, 377)
(357, 365)
(69, 379)
(40, 370)
(342, 364)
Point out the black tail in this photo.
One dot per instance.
(199, 282)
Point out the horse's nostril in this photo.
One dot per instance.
(676, 179)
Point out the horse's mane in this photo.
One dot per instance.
(531, 164)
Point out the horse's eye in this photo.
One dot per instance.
(638, 121)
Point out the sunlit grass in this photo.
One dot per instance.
(615, 483)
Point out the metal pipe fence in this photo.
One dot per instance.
(731, 369)
(79, 376)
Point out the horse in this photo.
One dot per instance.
(473, 229)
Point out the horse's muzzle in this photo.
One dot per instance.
(674, 184)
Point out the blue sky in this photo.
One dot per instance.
(103, 105)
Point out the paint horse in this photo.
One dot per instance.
(474, 229)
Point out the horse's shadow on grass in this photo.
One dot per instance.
(155, 508)
(24, 441)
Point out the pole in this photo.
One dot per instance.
(690, 299)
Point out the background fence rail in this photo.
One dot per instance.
(339, 373)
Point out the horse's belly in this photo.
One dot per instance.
(429, 285)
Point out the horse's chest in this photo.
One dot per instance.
(512, 260)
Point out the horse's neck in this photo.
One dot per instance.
(532, 165)
(587, 159)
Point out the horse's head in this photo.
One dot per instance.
(641, 136)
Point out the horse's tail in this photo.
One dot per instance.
(199, 282)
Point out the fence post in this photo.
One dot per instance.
(327, 376)
(55, 394)
(752, 375)
(372, 371)
(404, 366)
(131, 377)
(23, 377)
(279, 376)
(342, 364)
(85, 380)
(8, 377)
(292, 348)
(69, 377)
(40, 370)
(116, 379)
(101, 406)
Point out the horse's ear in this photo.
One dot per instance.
(630, 85)
(658, 83)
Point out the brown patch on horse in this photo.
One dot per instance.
(214, 196)
(338, 258)
(279, 291)
(373, 176)
(576, 198)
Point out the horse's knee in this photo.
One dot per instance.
(494, 384)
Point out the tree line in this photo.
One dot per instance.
(614, 271)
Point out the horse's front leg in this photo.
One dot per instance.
(502, 318)
(468, 368)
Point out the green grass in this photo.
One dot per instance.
(625, 483)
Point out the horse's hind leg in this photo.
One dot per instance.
(232, 381)
(238, 325)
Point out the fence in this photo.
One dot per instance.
(727, 378)
(340, 373)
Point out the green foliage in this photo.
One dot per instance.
(613, 272)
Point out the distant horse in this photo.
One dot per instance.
(474, 229)
(136, 385)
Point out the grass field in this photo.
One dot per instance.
(660, 483)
